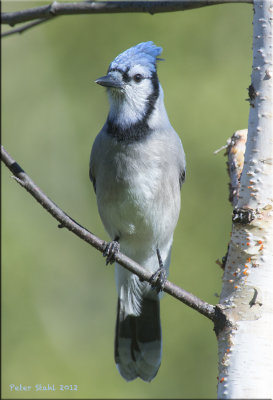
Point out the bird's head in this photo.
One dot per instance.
(132, 84)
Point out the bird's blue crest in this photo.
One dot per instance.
(143, 53)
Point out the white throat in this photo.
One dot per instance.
(126, 110)
(128, 107)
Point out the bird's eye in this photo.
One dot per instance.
(138, 77)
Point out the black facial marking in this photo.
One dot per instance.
(153, 96)
(138, 130)
(126, 77)
(124, 74)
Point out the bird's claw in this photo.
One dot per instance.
(159, 278)
(110, 251)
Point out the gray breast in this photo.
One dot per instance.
(138, 184)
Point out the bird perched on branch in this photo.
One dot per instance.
(137, 167)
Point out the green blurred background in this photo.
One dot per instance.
(58, 298)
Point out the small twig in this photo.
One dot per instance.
(208, 310)
(100, 7)
(223, 147)
(23, 28)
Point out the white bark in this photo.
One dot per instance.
(246, 348)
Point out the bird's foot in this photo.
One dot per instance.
(159, 278)
(111, 250)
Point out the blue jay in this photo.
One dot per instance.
(137, 167)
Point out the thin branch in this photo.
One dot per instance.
(208, 310)
(100, 7)
(23, 28)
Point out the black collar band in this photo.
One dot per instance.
(138, 130)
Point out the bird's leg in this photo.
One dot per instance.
(110, 251)
(159, 278)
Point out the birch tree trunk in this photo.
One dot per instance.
(245, 348)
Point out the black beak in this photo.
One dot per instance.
(109, 81)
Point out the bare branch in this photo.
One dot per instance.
(23, 28)
(100, 7)
(208, 310)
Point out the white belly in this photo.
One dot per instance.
(138, 196)
(138, 193)
(138, 210)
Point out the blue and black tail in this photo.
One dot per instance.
(138, 343)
